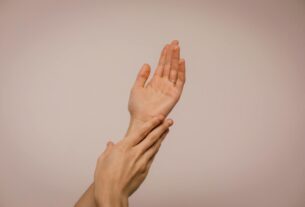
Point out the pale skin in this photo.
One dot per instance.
(162, 92)
(123, 166)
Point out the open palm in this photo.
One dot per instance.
(162, 92)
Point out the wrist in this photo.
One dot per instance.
(112, 200)
(134, 124)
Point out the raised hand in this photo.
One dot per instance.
(123, 166)
(162, 92)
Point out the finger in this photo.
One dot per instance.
(168, 58)
(175, 65)
(181, 75)
(150, 161)
(175, 42)
(142, 76)
(152, 151)
(154, 135)
(145, 129)
(159, 70)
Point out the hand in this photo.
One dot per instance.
(162, 92)
(123, 166)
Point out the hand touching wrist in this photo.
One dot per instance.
(147, 99)
(134, 125)
(123, 166)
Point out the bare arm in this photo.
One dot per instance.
(147, 100)
(87, 199)
(122, 167)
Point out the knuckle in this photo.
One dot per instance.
(173, 72)
(167, 66)
(152, 137)
(142, 168)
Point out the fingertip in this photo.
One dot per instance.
(170, 122)
(146, 68)
(143, 75)
(176, 42)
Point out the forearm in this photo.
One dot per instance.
(112, 201)
(87, 199)
(134, 125)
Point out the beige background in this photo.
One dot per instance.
(66, 68)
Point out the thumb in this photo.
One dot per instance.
(142, 76)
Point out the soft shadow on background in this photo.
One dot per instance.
(66, 68)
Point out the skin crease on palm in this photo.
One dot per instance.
(123, 166)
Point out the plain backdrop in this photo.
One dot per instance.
(66, 69)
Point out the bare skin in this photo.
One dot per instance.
(148, 99)
(162, 92)
(123, 166)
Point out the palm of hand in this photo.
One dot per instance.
(163, 91)
(158, 97)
